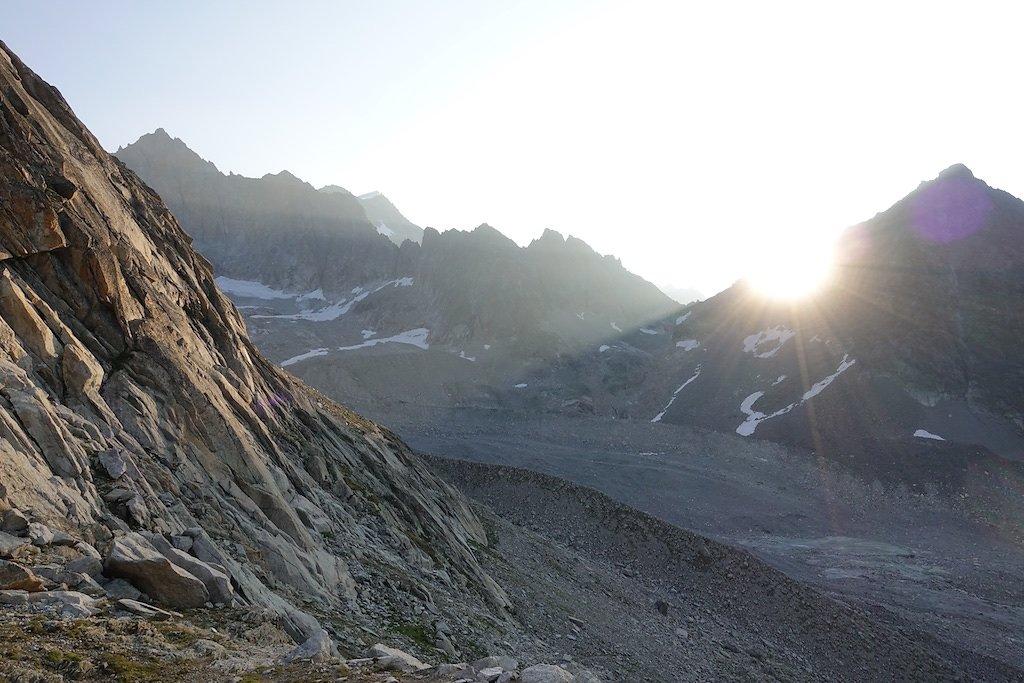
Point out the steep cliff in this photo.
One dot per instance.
(133, 405)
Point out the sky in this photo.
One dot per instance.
(697, 141)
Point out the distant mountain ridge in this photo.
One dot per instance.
(341, 286)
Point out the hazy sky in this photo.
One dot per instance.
(691, 139)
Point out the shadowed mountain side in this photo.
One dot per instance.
(908, 360)
(502, 310)
(277, 225)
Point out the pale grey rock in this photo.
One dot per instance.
(83, 583)
(489, 674)
(545, 673)
(11, 545)
(40, 534)
(393, 657)
(13, 597)
(90, 566)
(62, 538)
(71, 604)
(317, 648)
(133, 557)
(113, 463)
(87, 550)
(182, 543)
(501, 661)
(119, 589)
(146, 611)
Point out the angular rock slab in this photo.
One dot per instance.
(400, 660)
(134, 558)
(15, 577)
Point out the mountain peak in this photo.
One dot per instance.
(335, 189)
(957, 171)
(284, 176)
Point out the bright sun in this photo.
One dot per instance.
(792, 270)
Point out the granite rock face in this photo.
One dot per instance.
(131, 399)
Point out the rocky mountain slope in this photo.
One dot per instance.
(140, 427)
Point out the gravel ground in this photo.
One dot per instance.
(567, 551)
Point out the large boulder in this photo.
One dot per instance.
(217, 583)
(15, 577)
(69, 604)
(134, 558)
(394, 658)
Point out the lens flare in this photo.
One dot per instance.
(791, 270)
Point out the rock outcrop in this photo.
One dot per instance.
(137, 417)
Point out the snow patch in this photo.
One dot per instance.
(369, 333)
(647, 330)
(616, 327)
(250, 288)
(682, 319)
(657, 418)
(922, 434)
(303, 356)
(315, 294)
(462, 355)
(487, 347)
(778, 334)
(781, 378)
(581, 315)
(820, 386)
(522, 385)
(602, 348)
(688, 344)
(383, 229)
(755, 418)
(369, 195)
(417, 337)
(336, 310)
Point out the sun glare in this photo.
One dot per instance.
(793, 270)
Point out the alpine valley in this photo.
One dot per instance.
(609, 486)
